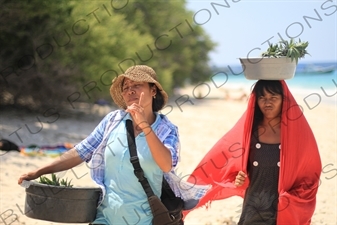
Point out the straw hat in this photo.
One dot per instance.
(138, 73)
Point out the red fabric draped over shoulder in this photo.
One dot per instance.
(300, 163)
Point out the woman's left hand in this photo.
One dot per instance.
(240, 179)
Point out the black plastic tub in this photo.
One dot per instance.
(61, 204)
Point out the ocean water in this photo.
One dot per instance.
(307, 85)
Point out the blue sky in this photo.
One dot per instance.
(245, 25)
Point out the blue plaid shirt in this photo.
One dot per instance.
(92, 150)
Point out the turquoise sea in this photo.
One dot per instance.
(309, 83)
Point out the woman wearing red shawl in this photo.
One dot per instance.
(270, 158)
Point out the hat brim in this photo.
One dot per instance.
(116, 87)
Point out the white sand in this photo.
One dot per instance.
(200, 126)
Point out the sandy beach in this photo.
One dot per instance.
(201, 124)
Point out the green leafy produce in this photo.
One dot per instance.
(55, 181)
(291, 49)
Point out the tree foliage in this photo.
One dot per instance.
(54, 53)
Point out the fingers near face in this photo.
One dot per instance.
(141, 99)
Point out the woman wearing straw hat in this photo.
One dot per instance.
(140, 96)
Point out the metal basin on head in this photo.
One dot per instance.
(264, 68)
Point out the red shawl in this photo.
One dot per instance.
(300, 164)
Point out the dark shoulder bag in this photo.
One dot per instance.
(168, 209)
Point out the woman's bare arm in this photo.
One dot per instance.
(66, 161)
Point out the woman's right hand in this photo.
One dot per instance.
(240, 179)
(28, 176)
(66, 161)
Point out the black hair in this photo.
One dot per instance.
(158, 102)
(270, 86)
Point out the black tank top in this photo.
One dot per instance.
(261, 198)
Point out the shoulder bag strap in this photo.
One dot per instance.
(135, 161)
(160, 212)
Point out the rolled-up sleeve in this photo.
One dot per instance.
(86, 147)
(172, 143)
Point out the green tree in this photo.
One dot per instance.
(54, 53)
(28, 77)
(186, 57)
